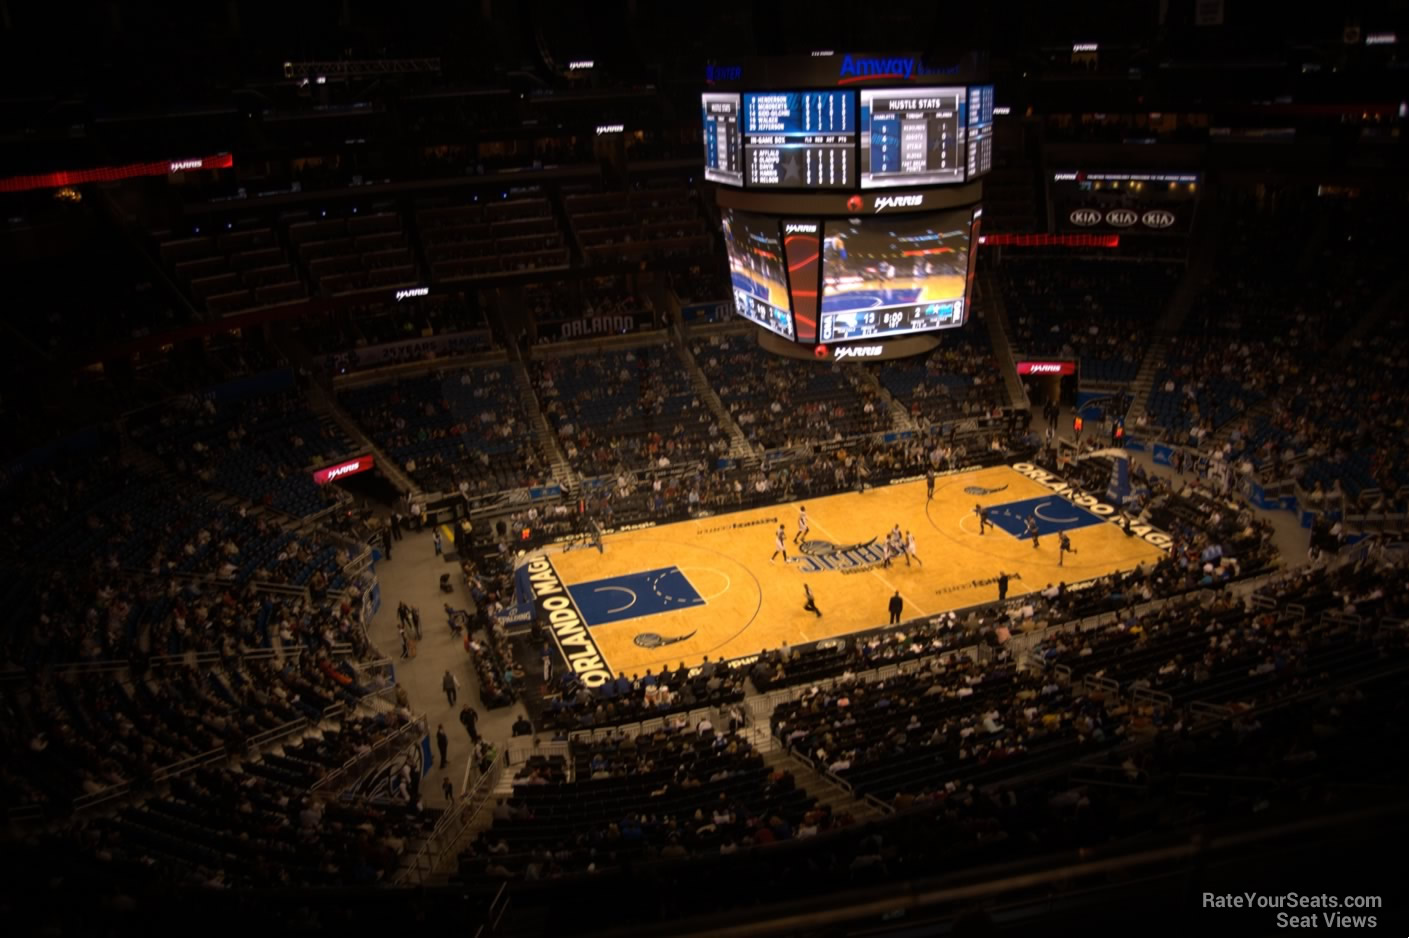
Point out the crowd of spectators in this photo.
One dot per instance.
(1101, 313)
(77, 734)
(262, 448)
(956, 380)
(629, 409)
(1336, 427)
(957, 721)
(781, 403)
(1203, 383)
(599, 306)
(639, 697)
(681, 791)
(255, 824)
(463, 429)
(1262, 364)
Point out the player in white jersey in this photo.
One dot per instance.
(886, 551)
(801, 524)
(910, 549)
(780, 544)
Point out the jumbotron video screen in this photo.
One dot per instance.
(893, 275)
(756, 271)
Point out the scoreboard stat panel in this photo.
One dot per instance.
(800, 139)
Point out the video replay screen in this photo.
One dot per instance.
(887, 276)
(756, 271)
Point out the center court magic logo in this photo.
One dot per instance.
(980, 490)
(821, 556)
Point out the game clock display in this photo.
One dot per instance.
(865, 324)
(891, 276)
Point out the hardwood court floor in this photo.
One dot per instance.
(711, 579)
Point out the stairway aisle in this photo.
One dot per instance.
(563, 473)
(900, 417)
(739, 446)
(996, 319)
(1145, 381)
(821, 787)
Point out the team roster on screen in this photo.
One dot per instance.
(888, 276)
(912, 137)
(800, 139)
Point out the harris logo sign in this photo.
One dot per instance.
(349, 467)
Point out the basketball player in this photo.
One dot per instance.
(929, 484)
(780, 543)
(801, 525)
(811, 604)
(897, 543)
(1032, 530)
(910, 549)
(886, 551)
(983, 523)
(1063, 547)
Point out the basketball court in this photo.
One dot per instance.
(679, 592)
(758, 284)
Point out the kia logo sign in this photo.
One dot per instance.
(821, 351)
(854, 204)
(341, 470)
(1121, 217)
(1157, 218)
(1086, 217)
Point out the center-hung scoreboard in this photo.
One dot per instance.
(850, 196)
